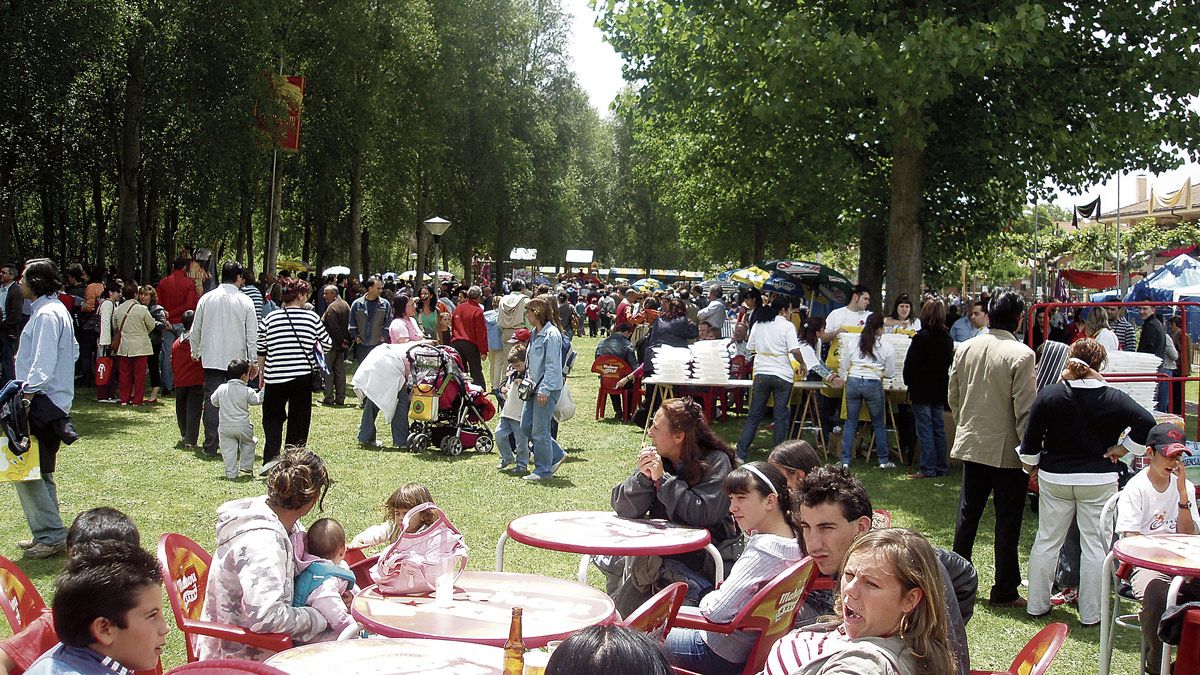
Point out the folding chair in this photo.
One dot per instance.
(655, 615)
(361, 565)
(611, 369)
(1038, 653)
(20, 599)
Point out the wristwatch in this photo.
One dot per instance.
(1185, 505)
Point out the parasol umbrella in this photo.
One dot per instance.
(336, 270)
(782, 284)
(751, 276)
(411, 274)
(815, 277)
(648, 285)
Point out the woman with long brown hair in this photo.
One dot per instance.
(679, 478)
(865, 363)
(543, 369)
(890, 615)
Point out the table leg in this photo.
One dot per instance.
(650, 406)
(584, 561)
(718, 563)
(1106, 615)
(1172, 600)
(500, 551)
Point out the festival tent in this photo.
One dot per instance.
(1190, 294)
(1181, 272)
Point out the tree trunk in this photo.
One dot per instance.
(308, 232)
(172, 233)
(100, 216)
(365, 250)
(46, 201)
(872, 252)
(7, 212)
(85, 217)
(356, 267)
(905, 234)
(131, 157)
(498, 252)
(245, 224)
(149, 226)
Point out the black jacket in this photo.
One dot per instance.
(1072, 427)
(927, 366)
(1154, 338)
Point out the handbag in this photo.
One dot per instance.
(22, 467)
(104, 369)
(314, 356)
(565, 408)
(413, 563)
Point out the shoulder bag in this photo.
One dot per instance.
(413, 564)
(314, 356)
(115, 344)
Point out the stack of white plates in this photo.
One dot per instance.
(671, 363)
(710, 361)
(900, 342)
(1134, 362)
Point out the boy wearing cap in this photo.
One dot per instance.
(1159, 500)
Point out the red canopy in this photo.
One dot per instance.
(1088, 279)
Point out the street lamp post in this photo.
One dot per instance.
(436, 227)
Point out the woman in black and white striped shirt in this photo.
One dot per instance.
(286, 361)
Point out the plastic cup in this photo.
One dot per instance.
(535, 662)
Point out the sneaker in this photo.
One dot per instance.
(40, 551)
(1067, 596)
(845, 465)
(25, 544)
(534, 476)
(921, 474)
(554, 467)
(266, 468)
(110, 400)
(836, 430)
(887, 465)
(372, 444)
(505, 466)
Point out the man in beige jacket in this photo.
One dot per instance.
(992, 386)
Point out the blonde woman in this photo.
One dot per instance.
(890, 615)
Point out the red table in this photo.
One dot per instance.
(390, 656)
(1176, 555)
(482, 610)
(604, 533)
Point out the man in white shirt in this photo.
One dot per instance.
(1159, 500)
(714, 313)
(849, 318)
(225, 328)
(773, 344)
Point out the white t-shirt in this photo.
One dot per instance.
(1145, 510)
(1108, 340)
(772, 344)
(842, 316)
(854, 363)
(914, 325)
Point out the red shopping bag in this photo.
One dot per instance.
(104, 367)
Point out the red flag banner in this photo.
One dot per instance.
(283, 132)
(1088, 279)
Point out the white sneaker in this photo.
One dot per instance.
(887, 465)
(534, 476)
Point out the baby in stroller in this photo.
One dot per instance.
(445, 410)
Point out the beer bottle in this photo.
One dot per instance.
(514, 647)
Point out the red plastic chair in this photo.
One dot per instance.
(224, 666)
(361, 565)
(20, 599)
(771, 612)
(611, 369)
(1187, 655)
(1038, 653)
(655, 616)
(184, 565)
(735, 398)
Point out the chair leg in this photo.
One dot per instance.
(600, 404)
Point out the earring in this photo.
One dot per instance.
(904, 625)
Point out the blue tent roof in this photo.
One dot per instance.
(1181, 271)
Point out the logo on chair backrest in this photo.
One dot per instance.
(787, 603)
(609, 369)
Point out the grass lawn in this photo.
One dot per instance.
(126, 459)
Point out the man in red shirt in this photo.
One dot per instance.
(177, 294)
(623, 315)
(468, 334)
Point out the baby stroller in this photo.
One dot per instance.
(444, 409)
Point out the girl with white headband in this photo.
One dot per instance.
(761, 504)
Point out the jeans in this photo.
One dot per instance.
(931, 430)
(1058, 507)
(39, 501)
(535, 424)
(189, 402)
(335, 379)
(168, 339)
(858, 390)
(1151, 588)
(511, 429)
(763, 387)
(1009, 486)
(366, 425)
(1163, 389)
(289, 401)
(213, 378)
(685, 648)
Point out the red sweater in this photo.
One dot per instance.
(177, 294)
(467, 323)
(188, 373)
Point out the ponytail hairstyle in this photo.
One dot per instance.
(685, 415)
(1084, 351)
(869, 338)
(297, 480)
(749, 478)
(796, 455)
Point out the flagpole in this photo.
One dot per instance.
(1120, 281)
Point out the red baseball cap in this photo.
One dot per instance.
(1167, 440)
(519, 335)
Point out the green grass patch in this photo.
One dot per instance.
(127, 459)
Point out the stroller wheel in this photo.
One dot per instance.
(418, 442)
(452, 446)
(485, 444)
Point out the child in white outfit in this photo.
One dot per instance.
(236, 432)
(323, 580)
(509, 429)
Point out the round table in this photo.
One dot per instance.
(1176, 555)
(482, 610)
(390, 656)
(604, 533)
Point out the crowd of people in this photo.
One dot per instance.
(899, 604)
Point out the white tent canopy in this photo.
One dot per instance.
(577, 256)
(523, 254)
